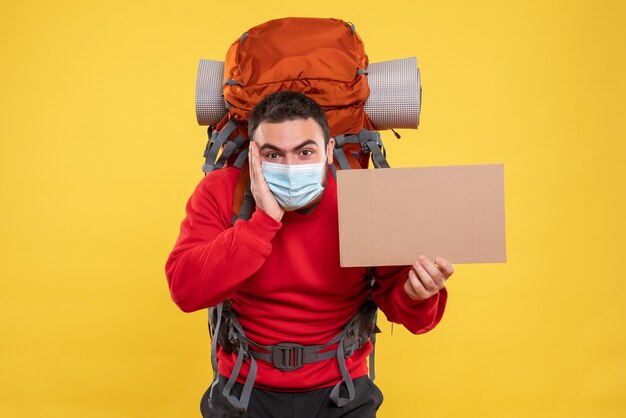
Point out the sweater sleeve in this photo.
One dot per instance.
(417, 316)
(212, 258)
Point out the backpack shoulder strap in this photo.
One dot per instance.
(243, 201)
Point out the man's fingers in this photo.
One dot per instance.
(425, 277)
(255, 166)
(436, 275)
(254, 154)
(416, 288)
(446, 267)
(258, 186)
(251, 159)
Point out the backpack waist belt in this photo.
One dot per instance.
(290, 356)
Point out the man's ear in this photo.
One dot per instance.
(329, 150)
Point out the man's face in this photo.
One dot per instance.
(299, 141)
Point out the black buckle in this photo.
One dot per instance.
(288, 356)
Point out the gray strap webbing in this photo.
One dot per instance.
(245, 212)
(241, 403)
(370, 275)
(310, 353)
(289, 357)
(230, 148)
(341, 158)
(341, 140)
(233, 82)
(333, 171)
(247, 204)
(372, 361)
(216, 144)
(339, 154)
(378, 158)
(218, 323)
(346, 379)
(243, 155)
(371, 142)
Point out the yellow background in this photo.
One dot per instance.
(100, 151)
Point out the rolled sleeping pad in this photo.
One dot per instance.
(394, 102)
(210, 105)
(395, 96)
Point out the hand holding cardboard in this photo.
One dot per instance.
(426, 279)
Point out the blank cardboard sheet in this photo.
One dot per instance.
(390, 216)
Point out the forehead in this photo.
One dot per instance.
(287, 134)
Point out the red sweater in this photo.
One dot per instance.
(284, 279)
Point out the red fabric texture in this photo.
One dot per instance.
(284, 279)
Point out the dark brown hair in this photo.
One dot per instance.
(287, 105)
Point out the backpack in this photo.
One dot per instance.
(324, 59)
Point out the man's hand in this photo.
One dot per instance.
(426, 278)
(263, 196)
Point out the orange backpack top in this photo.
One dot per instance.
(322, 58)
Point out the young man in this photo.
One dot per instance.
(280, 270)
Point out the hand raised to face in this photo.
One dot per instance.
(263, 197)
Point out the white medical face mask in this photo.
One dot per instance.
(294, 186)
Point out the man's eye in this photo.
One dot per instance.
(271, 155)
(306, 152)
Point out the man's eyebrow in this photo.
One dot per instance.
(297, 147)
